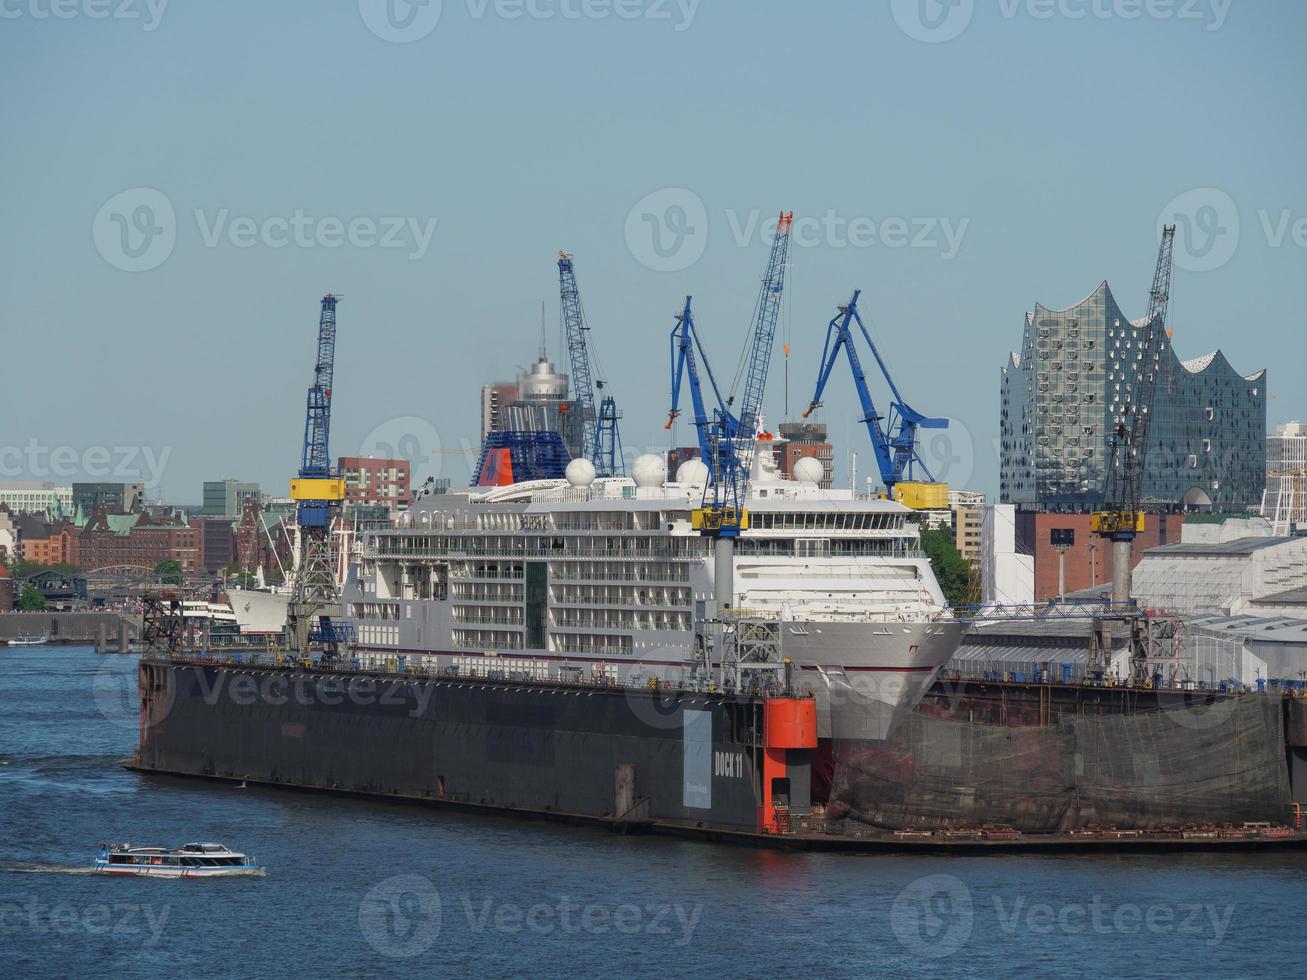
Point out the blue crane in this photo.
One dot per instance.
(684, 342)
(600, 438)
(894, 439)
(319, 488)
(729, 464)
(318, 493)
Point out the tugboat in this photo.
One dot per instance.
(196, 860)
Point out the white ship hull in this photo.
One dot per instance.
(544, 581)
(259, 612)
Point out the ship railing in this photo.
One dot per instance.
(402, 667)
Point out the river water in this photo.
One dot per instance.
(358, 888)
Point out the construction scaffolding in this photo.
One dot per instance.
(1217, 759)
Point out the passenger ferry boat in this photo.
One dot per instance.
(195, 860)
(29, 640)
(606, 579)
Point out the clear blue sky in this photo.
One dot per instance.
(1052, 142)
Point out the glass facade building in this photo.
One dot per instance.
(1063, 395)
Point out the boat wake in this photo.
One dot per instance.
(26, 868)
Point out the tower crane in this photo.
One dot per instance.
(1120, 520)
(318, 492)
(600, 439)
(723, 515)
(894, 439)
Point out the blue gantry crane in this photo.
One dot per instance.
(894, 439)
(601, 441)
(685, 366)
(732, 441)
(318, 492)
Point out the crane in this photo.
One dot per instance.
(318, 493)
(723, 515)
(1120, 520)
(600, 439)
(894, 439)
(684, 343)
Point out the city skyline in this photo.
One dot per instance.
(955, 201)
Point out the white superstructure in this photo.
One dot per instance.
(547, 579)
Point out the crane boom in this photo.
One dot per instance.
(731, 459)
(1125, 469)
(684, 343)
(894, 439)
(600, 439)
(318, 487)
(1120, 520)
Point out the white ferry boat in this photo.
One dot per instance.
(195, 860)
(29, 640)
(606, 579)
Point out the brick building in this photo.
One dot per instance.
(1088, 562)
(140, 540)
(47, 544)
(804, 440)
(376, 481)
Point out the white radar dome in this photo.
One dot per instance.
(693, 471)
(649, 471)
(809, 470)
(580, 472)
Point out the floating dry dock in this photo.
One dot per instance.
(724, 767)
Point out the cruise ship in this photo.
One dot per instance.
(594, 579)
